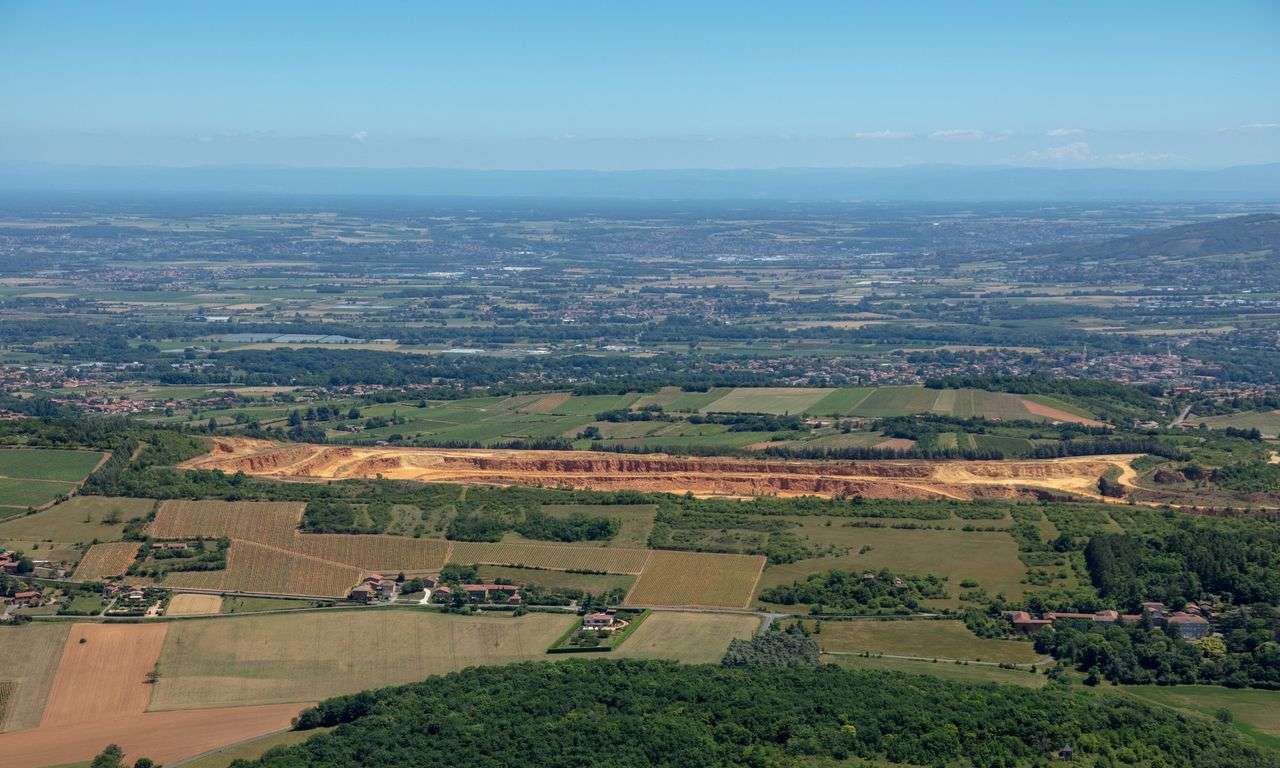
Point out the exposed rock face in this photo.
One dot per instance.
(660, 472)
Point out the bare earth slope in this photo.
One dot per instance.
(660, 472)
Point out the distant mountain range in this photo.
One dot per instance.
(909, 183)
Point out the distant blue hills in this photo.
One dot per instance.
(909, 183)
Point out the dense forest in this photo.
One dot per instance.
(649, 713)
(1191, 559)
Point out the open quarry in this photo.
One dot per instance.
(587, 470)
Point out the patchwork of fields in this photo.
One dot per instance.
(329, 565)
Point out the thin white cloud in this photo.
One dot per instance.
(1075, 152)
(881, 135)
(360, 136)
(1061, 132)
(1251, 127)
(969, 134)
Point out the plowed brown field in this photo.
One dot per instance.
(165, 737)
(660, 472)
(103, 672)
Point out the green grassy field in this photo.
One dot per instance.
(45, 464)
(232, 604)
(80, 519)
(673, 400)
(840, 402)
(1255, 712)
(778, 400)
(252, 749)
(969, 673)
(923, 637)
(987, 557)
(30, 493)
(1266, 422)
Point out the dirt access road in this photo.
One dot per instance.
(586, 470)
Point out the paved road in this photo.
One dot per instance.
(1181, 417)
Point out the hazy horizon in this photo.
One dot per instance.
(668, 86)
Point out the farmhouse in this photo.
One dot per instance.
(1025, 622)
(29, 598)
(603, 621)
(373, 588)
(492, 593)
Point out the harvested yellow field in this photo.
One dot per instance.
(193, 605)
(31, 655)
(257, 568)
(266, 522)
(692, 638)
(270, 658)
(372, 552)
(697, 579)
(106, 560)
(551, 557)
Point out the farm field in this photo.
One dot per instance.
(552, 557)
(692, 638)
(19, 494)
(252, 749)
(776, 400)
(989, 558)
(594, 583)
(31, 655)
(969, 673)
(193, 605)
(675, 400)
(80, 519)
(696, 579)
(47, 464)
(106, 560)
(150, 734)
(102, 673)
(373, 552)
(655, 472)
(494, 421)
(1266, 422)
(255, 567)
(275, 658)
(266, 522)
(60, 552)
(1256, 712)
(242, 604)
(921, 637)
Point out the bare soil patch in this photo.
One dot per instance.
(105, 676)
(165, 737)
(660, 472)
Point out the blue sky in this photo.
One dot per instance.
(640, 85)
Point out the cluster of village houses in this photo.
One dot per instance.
(375, 588)
(1190, 623)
